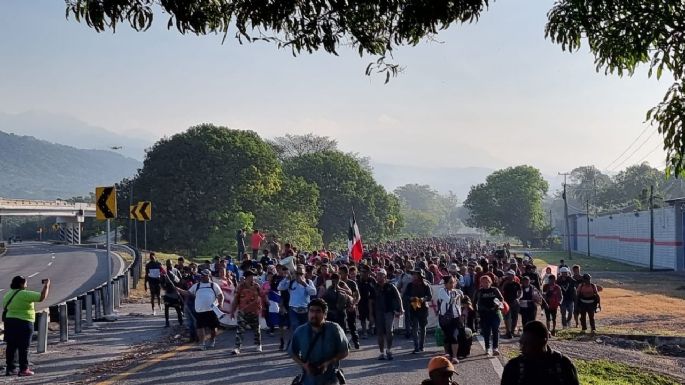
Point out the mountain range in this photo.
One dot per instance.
(37, 169)
(71, 156)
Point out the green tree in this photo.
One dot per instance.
(632, 184)
(292, 214)
(625, 34)
(203, 183)
(344, 185)
(290, 146)
(426, 211)
(510, 203)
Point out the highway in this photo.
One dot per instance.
(71, 269)
(217, 366)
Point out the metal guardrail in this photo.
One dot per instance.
(92, 302)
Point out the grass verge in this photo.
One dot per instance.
(605, 372)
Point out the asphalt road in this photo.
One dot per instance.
(272, 367)
(71, 270)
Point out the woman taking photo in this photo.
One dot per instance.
(19, 316)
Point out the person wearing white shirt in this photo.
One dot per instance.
(450, 316)
(207, 296)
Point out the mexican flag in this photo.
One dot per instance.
(355, 249)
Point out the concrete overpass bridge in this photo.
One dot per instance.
(68, 216)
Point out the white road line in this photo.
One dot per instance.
(496, 364)
(50, 264)
(34, 274)
(2, 289)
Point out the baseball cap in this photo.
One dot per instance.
(440, 363)
(565, 270)
(511, 272)
(382, 271)
(206, 272)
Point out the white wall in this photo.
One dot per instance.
(625, 237)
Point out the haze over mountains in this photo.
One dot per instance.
(67, 157)
(37, 169)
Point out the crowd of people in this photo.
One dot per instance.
(314, 299)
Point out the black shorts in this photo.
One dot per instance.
(155, 287)
(206, 319)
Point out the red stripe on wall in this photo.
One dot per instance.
(633, 240)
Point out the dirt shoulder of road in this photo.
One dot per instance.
(636, 305)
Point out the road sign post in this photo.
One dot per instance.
(106, 209)
(141, 212)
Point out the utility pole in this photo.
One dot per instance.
(651, 228)
(568, 233)
(130, 220)
(587, 211)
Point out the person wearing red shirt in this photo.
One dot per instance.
(255, 242)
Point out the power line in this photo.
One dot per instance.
(627, 148)
(636, 150)
(649, 153)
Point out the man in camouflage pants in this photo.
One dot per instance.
(248, 304)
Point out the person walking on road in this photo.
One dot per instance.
(387, 306)
(553, 298)
(588, 302)
(18, 316)
(318, 347)
(568, 293)
(441, 371)
(300, 291)
(418, 293)
(153, 280)
(348, 276)
(248, 305)
(530, 298)
(511, 290)
(538, 364)
(207, 295)
(487, 301)
(450, 317)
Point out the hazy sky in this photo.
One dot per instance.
(491, 94)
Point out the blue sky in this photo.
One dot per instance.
(491, 94)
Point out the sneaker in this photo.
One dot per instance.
(487, 351)
(420, 350)
(389, 356)
(381, 357)
(12, 372)
(235, 351)
(26, 373)
(495, 352)
(212, 343)
(454, 360)
(415, 351)
(259, 348)
(154, 313)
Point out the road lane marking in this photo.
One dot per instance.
(496, 364)
(34, 274)
(50, 264)
(122, 376)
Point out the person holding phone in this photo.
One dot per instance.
(19, 315)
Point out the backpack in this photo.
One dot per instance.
(465, 340)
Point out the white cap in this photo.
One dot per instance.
(382, 271)
(565, 269)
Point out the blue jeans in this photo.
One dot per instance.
(296, 319)
(489, 325)
(567, 308)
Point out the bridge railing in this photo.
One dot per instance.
(89, 306)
